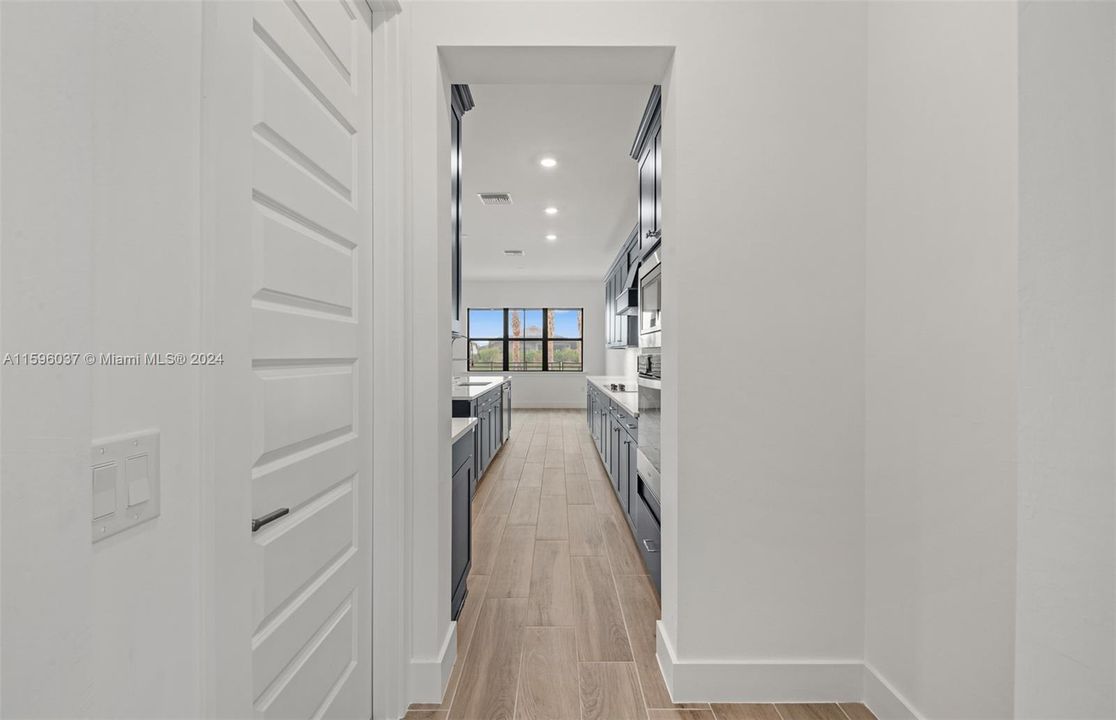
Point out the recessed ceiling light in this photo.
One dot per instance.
(551, 211)
(548, 162)
(551, 237)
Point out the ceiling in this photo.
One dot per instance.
(589, 130)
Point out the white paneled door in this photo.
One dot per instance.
(287, 207)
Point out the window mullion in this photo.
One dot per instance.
(506, 345)
(545, 341)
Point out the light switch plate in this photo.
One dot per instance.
(124, 482)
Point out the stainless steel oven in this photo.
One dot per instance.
(649, 373)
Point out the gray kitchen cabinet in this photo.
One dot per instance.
(461, 101)
(490, 433)
(622, 330)
(461, 556)
(616, 433)
(647, 151)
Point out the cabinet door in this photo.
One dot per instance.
(613, 441)
(611, 319)
(461, 553)
(658, 180)
(618, 287)
(486, 419)
(606, 440)
(474, 411)
(633, 476)
(617, 453)
(623, 470)
(457, 111)
(597, 422)
(485, 438)
(608, 312)
(617, 319)
(494, 422)
(647, 171)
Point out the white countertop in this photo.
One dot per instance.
(628, 399)
(468, 392)
(459, 426)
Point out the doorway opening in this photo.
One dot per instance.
(554, 172)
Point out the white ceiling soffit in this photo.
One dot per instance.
(568, 65)
(588, 129)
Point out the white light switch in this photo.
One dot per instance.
(135, 471)
(104, 490)
(126, 491)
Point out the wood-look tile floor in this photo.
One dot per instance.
(559, 623)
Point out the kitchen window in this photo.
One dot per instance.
(525, 339)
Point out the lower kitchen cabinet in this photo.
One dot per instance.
(615, 432)
(493, 425)
(461, 556)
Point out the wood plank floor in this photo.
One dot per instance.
(560, 619)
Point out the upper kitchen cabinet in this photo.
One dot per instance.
(621, 296)
(622, 281)
(647, 151)
(461, 101)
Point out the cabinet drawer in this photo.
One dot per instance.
(628, 422)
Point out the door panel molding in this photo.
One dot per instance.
(287, 419)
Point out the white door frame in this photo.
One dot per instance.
(392, 377)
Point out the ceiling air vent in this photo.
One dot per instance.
(495, 198)
(514, 253)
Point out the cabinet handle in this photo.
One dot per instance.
(272, 516)
(651, 546)
(627, 442)
(655, 234)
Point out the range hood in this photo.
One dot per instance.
(627, 302)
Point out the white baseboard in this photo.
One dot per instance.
(430, 677)
(885, 702)
(779, 681)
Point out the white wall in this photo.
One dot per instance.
(763, 452)
(942, 338)
(543, 390)
(1065, 635)
(100, 210)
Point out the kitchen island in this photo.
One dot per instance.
(488, 399)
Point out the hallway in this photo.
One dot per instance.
(560, 618)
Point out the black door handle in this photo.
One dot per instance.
(272, 516)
